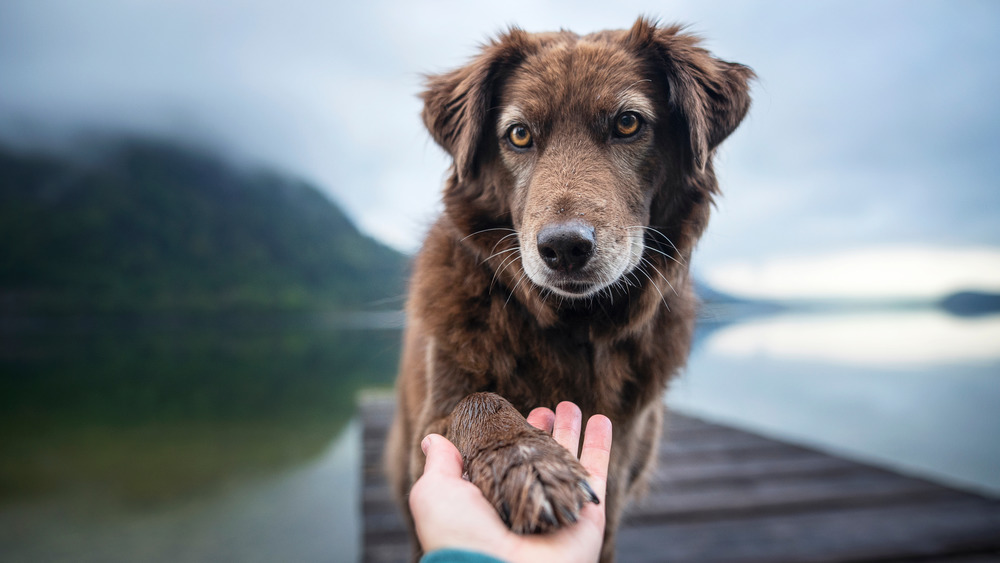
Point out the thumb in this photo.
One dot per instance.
(443, 457)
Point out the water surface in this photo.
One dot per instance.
(233, 439)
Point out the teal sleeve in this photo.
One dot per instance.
(457, 556)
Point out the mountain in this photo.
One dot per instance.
(971, 303)
(156, 226)
(708, 294)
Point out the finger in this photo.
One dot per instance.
(566, 429)
(542, 419)
(442, 457)
(597, 452)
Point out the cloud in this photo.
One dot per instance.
(873, 122)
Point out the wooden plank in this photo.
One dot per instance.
(969, 558)
(722, 494)
(768, 496)
(871, 533)
(680, 474)
(382, 552)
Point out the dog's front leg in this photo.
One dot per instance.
(535, 484)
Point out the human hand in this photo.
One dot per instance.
(450, 512)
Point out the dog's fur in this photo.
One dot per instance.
(493, 307)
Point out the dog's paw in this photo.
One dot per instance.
(535, 484)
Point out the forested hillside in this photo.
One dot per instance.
(152, 226)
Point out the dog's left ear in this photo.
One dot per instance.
(710, 96)
(457, 104)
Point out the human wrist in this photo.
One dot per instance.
(458, 555)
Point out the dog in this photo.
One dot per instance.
(582, 178)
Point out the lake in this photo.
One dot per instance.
(232, 439)
(915, 390)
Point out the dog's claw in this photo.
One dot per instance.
(590, 492)
(547, 515)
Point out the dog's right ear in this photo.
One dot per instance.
(457, 104)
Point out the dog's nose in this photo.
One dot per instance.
(566, 246)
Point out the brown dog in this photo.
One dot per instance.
(582, 180)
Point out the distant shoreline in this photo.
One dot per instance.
(170, 321)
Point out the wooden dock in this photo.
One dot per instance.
(722, 494)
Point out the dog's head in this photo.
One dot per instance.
(595, 150)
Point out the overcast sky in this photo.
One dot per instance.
(874, 126)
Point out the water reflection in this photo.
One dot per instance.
(196, 442)
(916, 390)
(892, 338)
(303, 513)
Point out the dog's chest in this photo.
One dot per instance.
(565, 364)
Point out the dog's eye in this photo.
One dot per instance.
(627, 124)
(519, 136)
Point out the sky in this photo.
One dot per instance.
(871, 151)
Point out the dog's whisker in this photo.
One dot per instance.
(488, 230)
(495, 254)
(638, 282)
(507, 262)
(514, 289)
(658, 251)
(652, 283)
(544, 295)
(503, 238)
(507, 236)
(679, 259)
(670, 285)
(621, 285)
